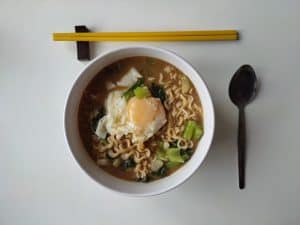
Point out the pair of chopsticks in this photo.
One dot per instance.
(205, 35)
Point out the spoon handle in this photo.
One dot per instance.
(241, 147)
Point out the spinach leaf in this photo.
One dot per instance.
(130, 92)
(158, 92)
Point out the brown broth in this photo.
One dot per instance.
(95, 94)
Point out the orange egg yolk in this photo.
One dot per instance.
(143, 112)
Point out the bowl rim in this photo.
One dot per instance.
(163, 51)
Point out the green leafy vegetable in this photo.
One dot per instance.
(130, 92)
(161, 155)
(172, 165)
(160, 152)
(192, 131)
(185, 156)
(162, 171)
(128, 95)
(186, 153)
(173, 144)
(189, 151)
(173, 155)
(189, 130)
(158, 92)
(128, 163)
(161, 145)
(198, 132)
(142, 92)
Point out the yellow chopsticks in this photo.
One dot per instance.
(208, 35)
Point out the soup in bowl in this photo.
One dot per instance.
(139, 120)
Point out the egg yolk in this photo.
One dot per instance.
(143, 112)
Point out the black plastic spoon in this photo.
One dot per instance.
(242, 90)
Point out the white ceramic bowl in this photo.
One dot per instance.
(90, 167)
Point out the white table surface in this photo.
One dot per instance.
(42, 184)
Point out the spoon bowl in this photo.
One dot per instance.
(243, 84)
